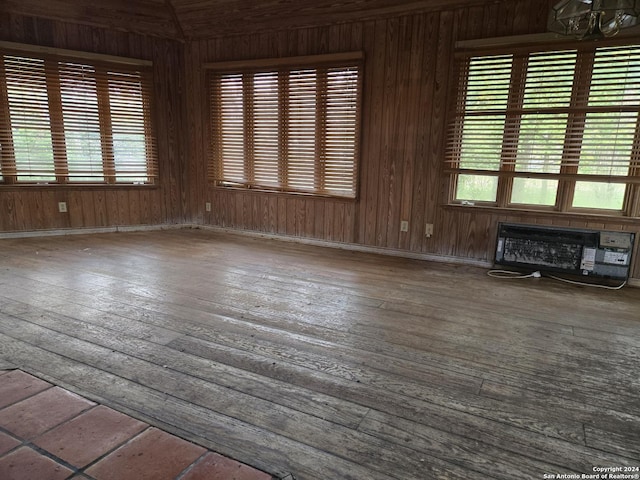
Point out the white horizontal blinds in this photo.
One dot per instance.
(69, 121)
(611, 125)
(30, 121)
(79, 97)
(286, 129)
(130, 129)
(341, 130)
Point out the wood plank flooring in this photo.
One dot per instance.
(327, 364)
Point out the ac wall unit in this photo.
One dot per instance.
(592, 253)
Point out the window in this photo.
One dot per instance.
(66, 120)
(292, 127)
(554, 129)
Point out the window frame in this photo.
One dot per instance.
(568, 175)
(282, 68)
(108, 74)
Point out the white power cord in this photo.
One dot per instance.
(595, 285)
(517, 275)
(511, 274)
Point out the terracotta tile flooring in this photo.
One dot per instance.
(48, 433)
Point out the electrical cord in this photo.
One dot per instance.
(508, 274)
(512, 275)
(583, 284)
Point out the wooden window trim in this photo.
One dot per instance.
(104, 67)
(576, 122)
(320, 65)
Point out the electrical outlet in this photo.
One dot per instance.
(404, 226)
(428, 230)
(62, 207)
(207, 206)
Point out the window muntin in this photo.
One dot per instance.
(70, 121)
(565, 122)
(289, 129)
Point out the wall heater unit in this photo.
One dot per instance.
(592, 253)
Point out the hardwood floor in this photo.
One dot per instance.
(330, 364)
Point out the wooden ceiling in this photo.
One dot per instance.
(184, 19)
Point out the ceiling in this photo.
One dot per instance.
(185, 19)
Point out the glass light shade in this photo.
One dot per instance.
(593, 18)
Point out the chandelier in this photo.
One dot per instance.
(593, 18)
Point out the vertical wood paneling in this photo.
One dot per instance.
(407, 85)
(408, 77)
(92, 206)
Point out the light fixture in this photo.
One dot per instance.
(593, 18)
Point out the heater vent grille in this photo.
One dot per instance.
(580, 252)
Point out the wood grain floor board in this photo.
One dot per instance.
(327, 363)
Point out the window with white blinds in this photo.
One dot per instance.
(66, 120)
(286, 128)
(556, 129)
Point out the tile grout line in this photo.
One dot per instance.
(109, 452)
(193, 464)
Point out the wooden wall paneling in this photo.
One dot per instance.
(282, 215)
(377, 161)
(86, 200)
(5, 26)
(490, 21)
(144, 207)
(135, 211)
(8, 219)
(415, 77)
(421, 214)
(143, 17)
(248, 219)
(349, 223)
(272, 205)
(288, 210)
(33, 217)
(339, 217)
(255, 209)
(635, 267)
(232, 199)
(298, 205)
(385, 161)
(441, 92)
(196, 104)
(171, 78)
(123, 198)
(474, 24)
(22, 209)
(373, 34)
(76, 210)
(538, 15)
(398, 121)
(522, 18)
(309, 220)
(100, 208)
(319, 209)
(110, 204)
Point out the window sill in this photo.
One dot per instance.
(285, 193)
(589, 216)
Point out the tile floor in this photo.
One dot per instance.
(48, 433)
